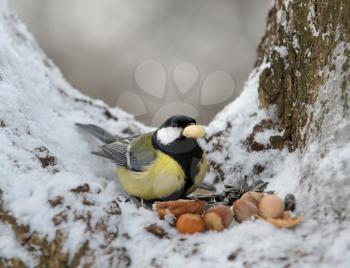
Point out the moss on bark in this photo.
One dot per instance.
(298, 44)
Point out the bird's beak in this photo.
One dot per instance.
(194, 131)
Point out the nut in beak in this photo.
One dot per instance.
(194, 131)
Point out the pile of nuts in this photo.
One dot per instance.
(192, 217)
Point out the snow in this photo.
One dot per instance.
(318, 176)
(167, 135)
(310, 18)
(295, 42)
(10, 248)
(38, 110)
(282, 50)
(281, 18)
(264, 136)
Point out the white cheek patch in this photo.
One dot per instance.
(168, 134)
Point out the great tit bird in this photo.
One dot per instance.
(165, 164)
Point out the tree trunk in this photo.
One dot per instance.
(299, 44)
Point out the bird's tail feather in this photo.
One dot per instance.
(103, 154)
(98, 132)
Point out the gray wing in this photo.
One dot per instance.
(118, 152)
(134, 153)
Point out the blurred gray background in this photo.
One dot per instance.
(99, 45)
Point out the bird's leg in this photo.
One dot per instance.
(139, 202)
(147, 204)
(135, 200)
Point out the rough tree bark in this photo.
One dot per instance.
(299, 43)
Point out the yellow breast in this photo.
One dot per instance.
(162, 178)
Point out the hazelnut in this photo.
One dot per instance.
(190, 224)
(179, 207)
(244, 209)
(271, 206)
(218, 217)
(253, 197)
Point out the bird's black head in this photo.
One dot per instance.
(178, 135)
(178, 128)
(178, 121)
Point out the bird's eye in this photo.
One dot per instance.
(173, 125)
